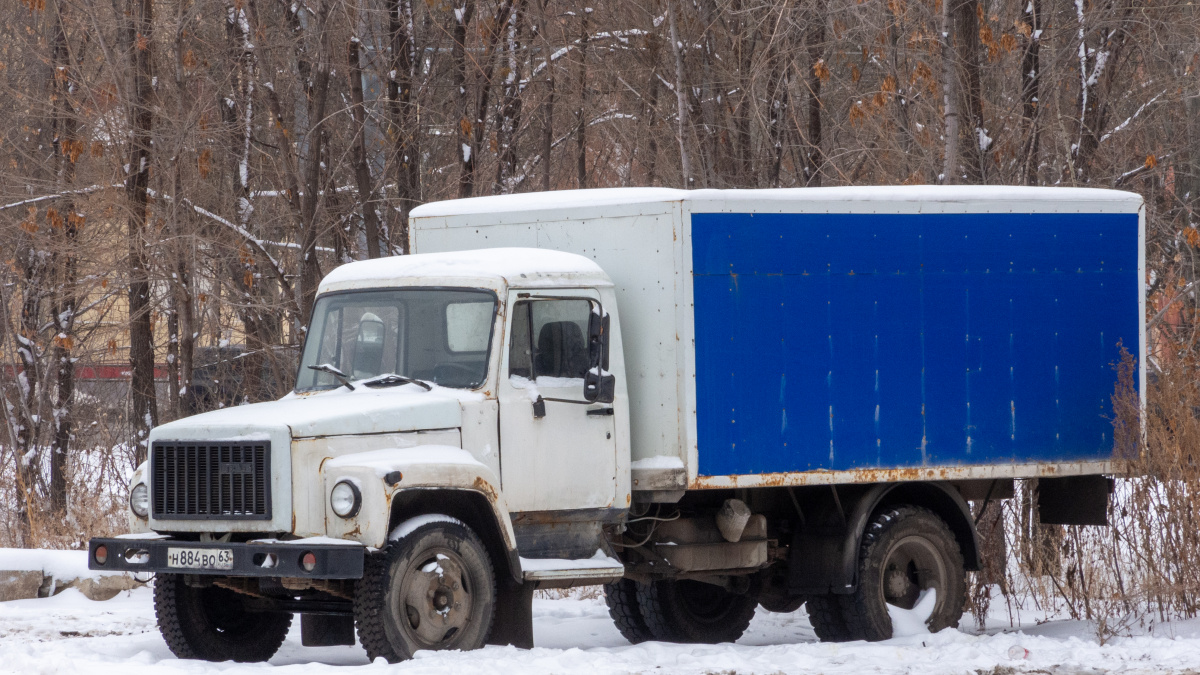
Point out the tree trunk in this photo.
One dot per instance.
(1099, 68)
(681, 118)
(317, 84)
(967, 38)
(650, 107)
(580, 112)
(510, 109)
(495, 31)
(362, 170)
(402, 109)
(466, 180)
(813, 159)
(139, 43)
(950, 130)
(1031, 71)
(66, 152)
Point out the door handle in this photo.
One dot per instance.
(600, 411)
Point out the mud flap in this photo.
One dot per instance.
(319, 630)
(513, 624)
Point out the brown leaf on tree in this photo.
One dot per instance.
(1192, 236)
(821, 70)
(204, 162)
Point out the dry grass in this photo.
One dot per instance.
(576, 593)
(97, 476)
(1145, 567)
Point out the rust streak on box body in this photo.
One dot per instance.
(907, 474)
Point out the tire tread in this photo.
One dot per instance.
(855, 611)
(658, 606)
(187, 639)
(621, 598)
(370, 589)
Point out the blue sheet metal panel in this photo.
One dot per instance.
(856, 341)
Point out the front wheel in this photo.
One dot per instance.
(433, 588)
(693, 611)
(906, 553)
(211, 623)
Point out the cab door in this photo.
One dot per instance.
(557, 451)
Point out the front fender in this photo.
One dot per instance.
(380, 474)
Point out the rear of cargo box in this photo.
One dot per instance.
(895, 333)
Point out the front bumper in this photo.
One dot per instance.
(267, 558)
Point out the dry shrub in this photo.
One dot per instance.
(575, 593)
(97, 474)
(1144, 568)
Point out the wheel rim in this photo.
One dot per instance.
(435, 599)
(911, 566)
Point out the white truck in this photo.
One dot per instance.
(707, 401)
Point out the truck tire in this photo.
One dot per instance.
(621, 598)
(825, 615)
(210, 623)
(904, 551)
(694, 612)
(433, 588)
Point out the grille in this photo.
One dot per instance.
(207, 480)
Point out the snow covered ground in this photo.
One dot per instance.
(71, 635)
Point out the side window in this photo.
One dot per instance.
(549, 339)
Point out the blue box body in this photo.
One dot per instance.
(854, 341)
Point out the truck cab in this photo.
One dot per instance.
(483, 387)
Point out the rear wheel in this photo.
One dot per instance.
(432, 589)
(693, 611)
(211, 623)
(906, 552)
(825, 615)
(621, 598)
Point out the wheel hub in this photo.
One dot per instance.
(911, 566)
(435, 599)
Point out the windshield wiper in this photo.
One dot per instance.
(328, 368)
(393, 380)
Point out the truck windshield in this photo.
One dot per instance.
(436, 335)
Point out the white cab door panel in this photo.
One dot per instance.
(567, 458)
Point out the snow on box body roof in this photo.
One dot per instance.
(893, 199)
(490, 268)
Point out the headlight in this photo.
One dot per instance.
(345, 499)
(139, 500)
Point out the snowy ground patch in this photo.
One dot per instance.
(69, 634)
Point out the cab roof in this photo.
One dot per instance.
(494, 268)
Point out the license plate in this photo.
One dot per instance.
(200, 558)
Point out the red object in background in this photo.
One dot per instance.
(98, 372)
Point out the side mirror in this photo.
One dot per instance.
(598, 339)
(598, 385)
